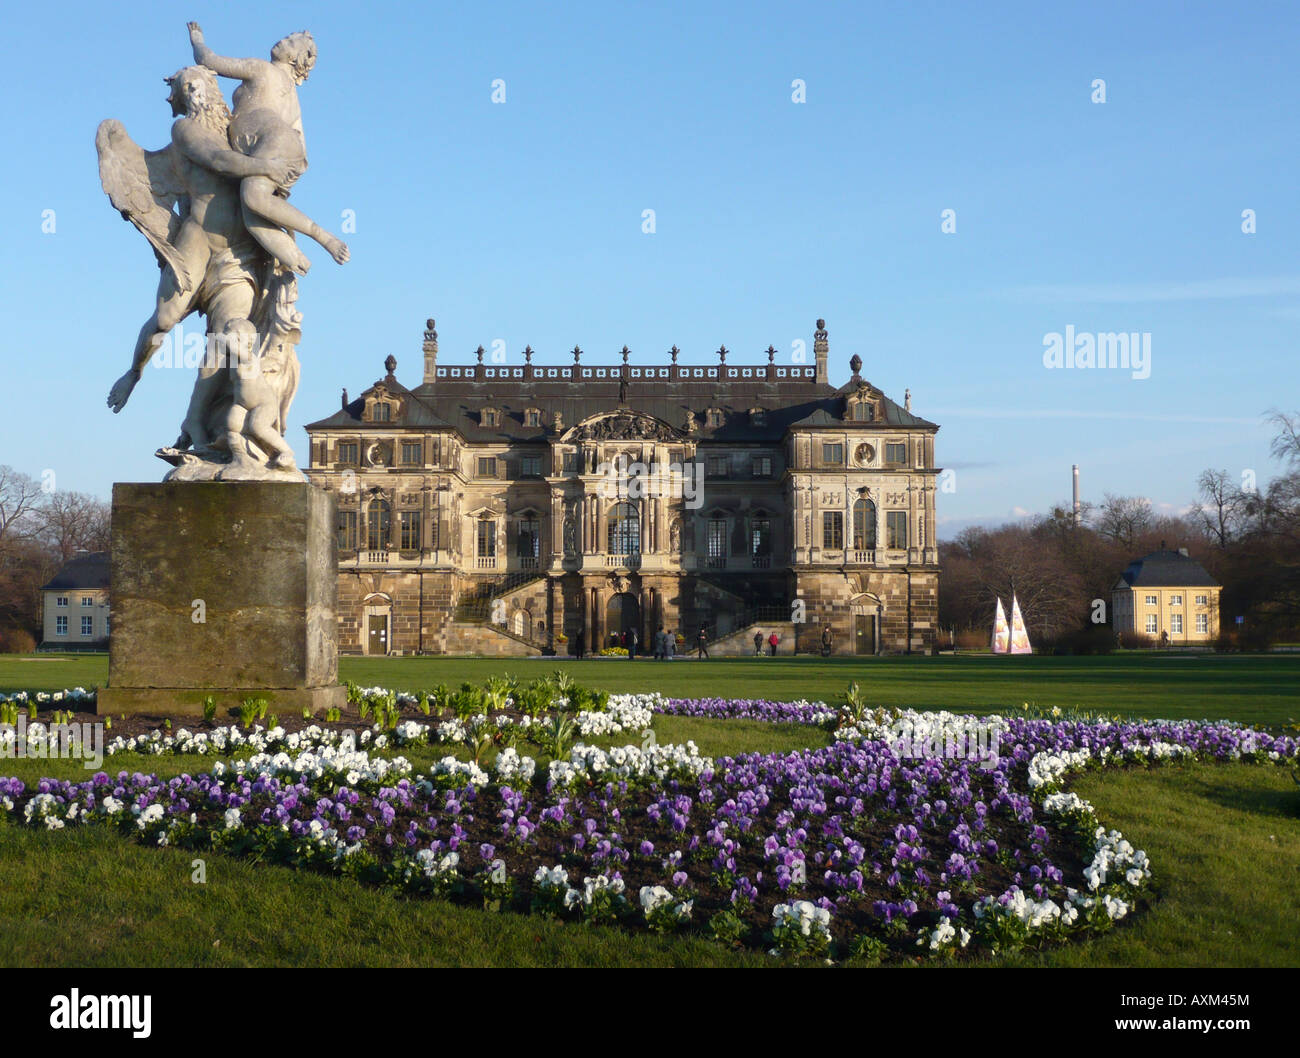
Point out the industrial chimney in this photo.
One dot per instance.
(1075, 468)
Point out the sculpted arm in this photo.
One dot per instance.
(202, 151)
(241, 69)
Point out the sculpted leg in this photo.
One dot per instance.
(172, 307)
(259, 197)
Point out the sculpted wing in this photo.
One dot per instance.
(144, 187)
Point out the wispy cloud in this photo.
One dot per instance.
(1176, 290)
(1076, 413)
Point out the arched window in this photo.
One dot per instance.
(624, 530)
(378, 525)
(864, 525)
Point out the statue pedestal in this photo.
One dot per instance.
(226, 589)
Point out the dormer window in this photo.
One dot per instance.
(714, 418)
(382, 412)
(758, 416)
(864, 411)
(489, 417)
(533, 417)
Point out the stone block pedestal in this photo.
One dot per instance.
(226, 589)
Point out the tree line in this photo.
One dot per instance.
(1247, 537)
(40, 529)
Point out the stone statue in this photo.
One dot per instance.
(212, 206)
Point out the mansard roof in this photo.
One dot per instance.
(86, 570)
(789, 395)
(1166, 569)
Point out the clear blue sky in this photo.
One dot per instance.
(522, 221)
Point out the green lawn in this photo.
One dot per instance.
(1252, 688)
(1224, 839)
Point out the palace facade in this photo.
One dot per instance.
(510, 508)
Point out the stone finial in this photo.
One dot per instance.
(820, 335)
(557, 421)
(626, 353)
(577, 356)
(430, 332)
(345, 398)
(821, 352)
(690, 425)
(390, 364)
(674, 352)
(430, 351)
(479, 353)
(528, 354)
(722, 354)
(855, 364)
(771, 354)
(907, 400)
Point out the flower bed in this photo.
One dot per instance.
(851, 849)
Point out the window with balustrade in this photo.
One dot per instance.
(864, 525)
(486, 538)
(529, 543)
(379, 525)
(347, 530)
(624, 530)
(896, 530)
(717, 541)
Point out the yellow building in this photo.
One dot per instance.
(1168, 596)
(74, 605)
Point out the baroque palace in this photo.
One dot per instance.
(509, 509)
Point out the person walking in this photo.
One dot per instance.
(702, 642)
(632, 640)
(772, 641)
(578, 645)
(826, 641)
(670, 645)
(758, 644)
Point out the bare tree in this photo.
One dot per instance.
(1220, 510)
(20, 495)
(1124, 518)
(74, 521)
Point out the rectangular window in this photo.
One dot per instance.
(896, 530)
(347, 530)
(530, 466)
(833, 530)
(532, 417)
(717, 538)
(1176, 624)
(487, 466)
(87, 626)
(87, 600)
(718, 466)
(1175, 600)
(412, 452)
(61, 625)
(62, 600)
(1152, 626)
(383, 412)
(570, 462)
(1152, 600)
(762, 466)
(1202, 623)
(760, 536)
(530, 538)
(895, 453)
(348, 451)
(833, 454)
(487, 539)
(410, 530)
(862, 412)
(1202, 600)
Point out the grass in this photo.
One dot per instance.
(1250, 688)
(1224, 839)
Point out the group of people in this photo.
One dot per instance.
(665, 643)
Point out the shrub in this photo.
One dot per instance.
(1133, 640)
(16, 640)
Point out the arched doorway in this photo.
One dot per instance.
(622, 614)
(866, 624)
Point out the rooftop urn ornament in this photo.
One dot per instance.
(855, 364)
(722, 355)
(479, 353)
(390, 364)
(626, 353)
(674, 352)
(577, 356)
(771, 354)
(528, 355)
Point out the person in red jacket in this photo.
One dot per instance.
(772, 641)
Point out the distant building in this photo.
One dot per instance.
(1167, 594)
(74, 605)
(484, 510)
